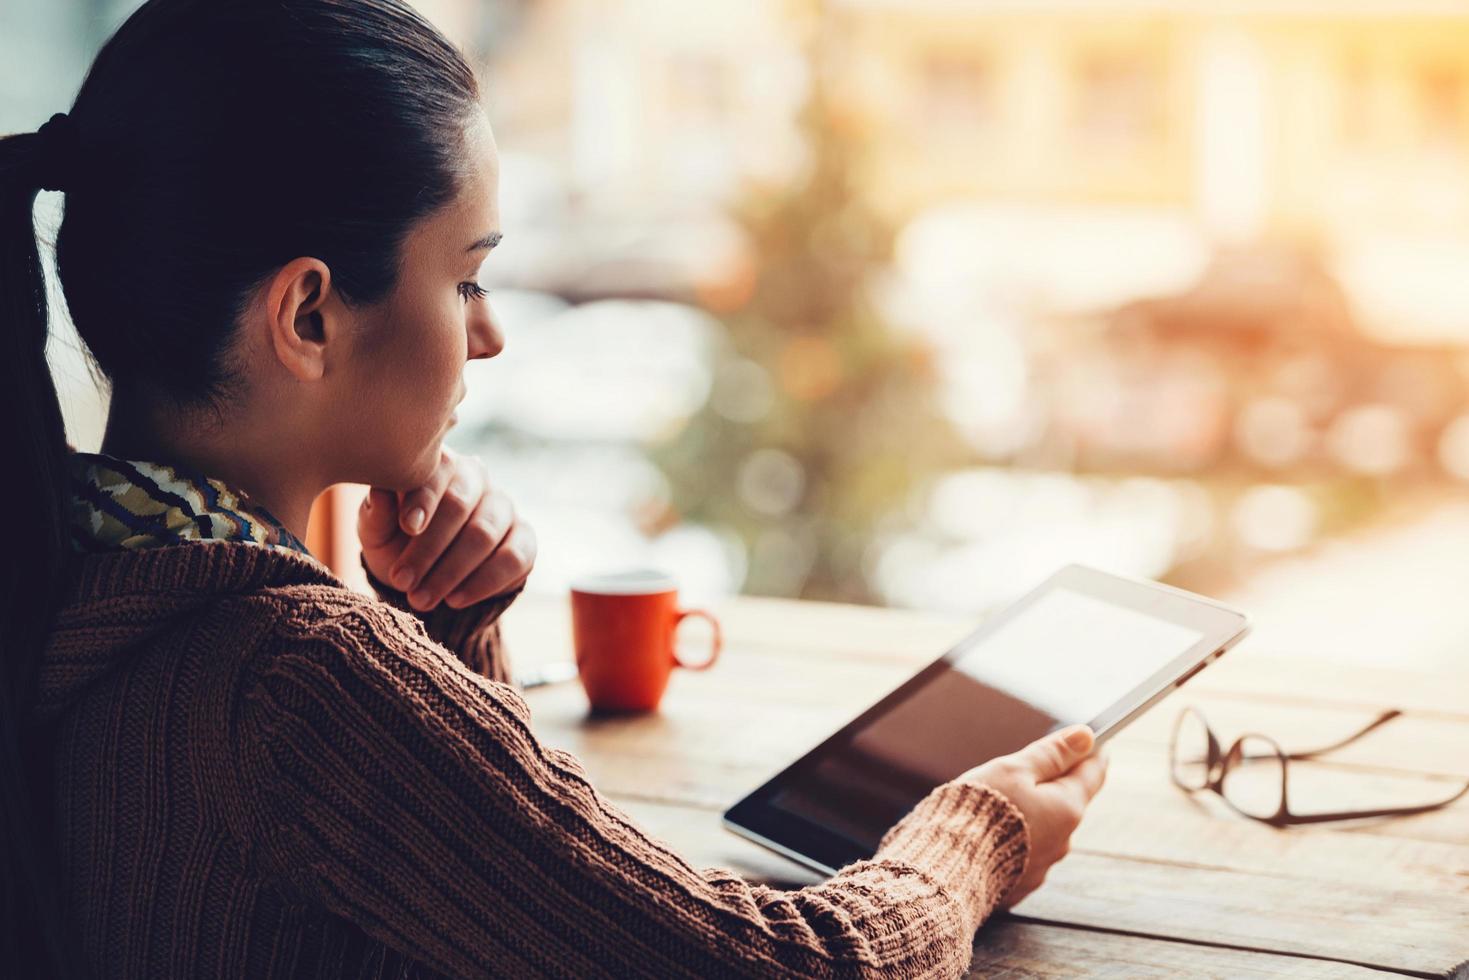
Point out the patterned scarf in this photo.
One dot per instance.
(128, 504)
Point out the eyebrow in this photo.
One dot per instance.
(486, 243)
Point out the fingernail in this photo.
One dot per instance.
(403, 579)
(1079, 738)
(415, 519)
(419, 598)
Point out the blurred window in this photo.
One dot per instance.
(957, 92)
(1119, 100)
(1441, 102)
(1355, 116)
(698, 88)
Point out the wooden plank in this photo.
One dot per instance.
(809, 701)
(1021, 949)
(1196, 872)
(1424, 932)
(1151, 820)
(1018, 948)
(538, 630)
(1431, 745)
(699, 763)
(1138, 815)
(1431, 844)
(1298, 678)
(1421, 932)
(1015, 949)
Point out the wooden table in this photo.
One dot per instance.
(1158, 883)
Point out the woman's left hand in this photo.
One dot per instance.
(454, 540)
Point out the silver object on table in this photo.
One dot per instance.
(556, 672)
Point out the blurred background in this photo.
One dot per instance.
(908, 302)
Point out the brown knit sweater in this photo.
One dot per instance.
(261, 773)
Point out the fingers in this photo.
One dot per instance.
(1092, 774)
(1054, 755)
(377, 519)
(507, 568)
(472, 547)
(450, 514)
(419, 506)
(1079, 786)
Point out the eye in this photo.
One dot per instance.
(472, 290)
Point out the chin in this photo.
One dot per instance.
(432, 454)
(404, 474)
(425, 468)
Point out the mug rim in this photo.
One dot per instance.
(629, 582)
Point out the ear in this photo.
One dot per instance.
(301, 317)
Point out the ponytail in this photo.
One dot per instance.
(34, 448)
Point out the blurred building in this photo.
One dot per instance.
(1340, 122)
(626, 130)
(1221, 241)
(1257, 368)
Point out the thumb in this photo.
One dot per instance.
(1054, 756)
(377, 519)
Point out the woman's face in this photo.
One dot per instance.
(406, 371)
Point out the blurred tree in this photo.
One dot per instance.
(821, 421)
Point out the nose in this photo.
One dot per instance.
(485, 337)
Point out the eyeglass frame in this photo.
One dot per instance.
(1219, 763)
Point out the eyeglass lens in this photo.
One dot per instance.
(1190, 751)
(1254, 777)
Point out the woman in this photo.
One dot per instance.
(218, 759)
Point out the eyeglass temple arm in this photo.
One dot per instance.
(1363, 814)
(1381, 719)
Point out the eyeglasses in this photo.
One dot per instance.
(1251, 775)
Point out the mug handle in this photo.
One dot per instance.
(717, 645)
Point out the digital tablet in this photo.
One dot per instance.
(1084, 646)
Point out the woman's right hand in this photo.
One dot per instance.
(1050, 781)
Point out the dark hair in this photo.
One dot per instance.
(211, 143)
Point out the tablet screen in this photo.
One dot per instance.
(1065, 658)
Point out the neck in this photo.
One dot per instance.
(257, 467)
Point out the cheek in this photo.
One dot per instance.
(443, 354)
(415, 378)
(428, 351)
(391, 402)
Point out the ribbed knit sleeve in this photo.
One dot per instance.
(472, 633)
(389, 786)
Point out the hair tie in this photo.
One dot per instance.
(60, 151)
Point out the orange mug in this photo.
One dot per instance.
(622, 629)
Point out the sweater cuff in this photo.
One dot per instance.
(472, 633)
(970, 839)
